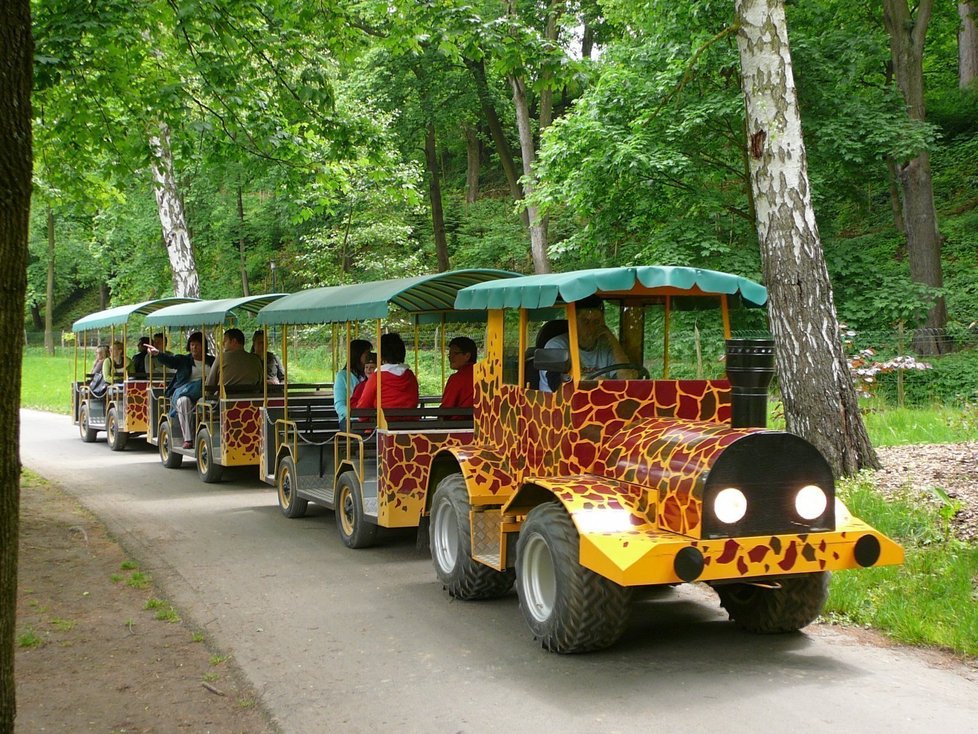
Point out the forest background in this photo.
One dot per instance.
(220, 148)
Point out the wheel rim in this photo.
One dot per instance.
(203, 456)
(538, 579)
(285, 488)
(346, 510)
(83, 422)
(164, 443)
(446, 537)
(110, 430)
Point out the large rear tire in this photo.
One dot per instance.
(87, 433)
(116, 439)
(796, 604)
(569, 608)
(355, 531)
(208, 469)
(451, 544)
(170, 458)
(287, 484)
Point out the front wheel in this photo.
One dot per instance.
(170, 458)
(451, 543)
(207, 467)
(287, 484)
(87, 433)
(795, 603)
(568, 608)
(116, 439)
(355, 531)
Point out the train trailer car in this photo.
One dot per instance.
(227, 422)
(582, 485)
(372, 468)
(123, 410)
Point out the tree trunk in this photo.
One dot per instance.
(538, 225)
(434, 196)
(505, 153)
(896, 206)
(587, 41)
(37, 320)
(967, 44)
(103, 295)
(49, 295)
(16, 59)
(176, 237)
(907, 33)
(819, 397)
(473, 161)
(245, 290)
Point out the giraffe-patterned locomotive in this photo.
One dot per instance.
(604, 481)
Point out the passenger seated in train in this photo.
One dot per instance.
(274, 372)
(237, 368)
(462, 355)
(350, 377)
(369, 367)
(184, 388)
(137, 364)
(399, 385)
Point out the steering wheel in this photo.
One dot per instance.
(643, 374)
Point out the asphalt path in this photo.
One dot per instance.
(367, 641)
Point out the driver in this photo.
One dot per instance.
(598, 347)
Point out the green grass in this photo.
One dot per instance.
(29, 638)
(890, 426)
(63, 625)
(47, 380)
(138, 580)
(932, 599)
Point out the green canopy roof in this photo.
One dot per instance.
(209, 313)
(120, 314)
(541, 291)
(363, 301)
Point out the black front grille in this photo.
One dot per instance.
(769, 468)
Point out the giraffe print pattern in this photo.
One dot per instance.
(135, 399)
(405, 460)
(241, 426)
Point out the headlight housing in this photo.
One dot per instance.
(730, 505)
(810, 502)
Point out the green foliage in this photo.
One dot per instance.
(930, 599)
(952, 379)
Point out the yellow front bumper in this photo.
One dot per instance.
(644, 556)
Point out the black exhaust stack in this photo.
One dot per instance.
(750, 367)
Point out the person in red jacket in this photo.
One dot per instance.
(462, 355)
(399, 386)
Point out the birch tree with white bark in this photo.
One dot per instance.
(819, 398)
(176, 235)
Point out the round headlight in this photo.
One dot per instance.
(730, 505)
(810, 502)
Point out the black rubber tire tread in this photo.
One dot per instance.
(590, 612)
(468, 580)
(212, 472)
(364, 533)
(170, 458)
(796, 604)
(88, 435)
(118, 443)
(292, 506)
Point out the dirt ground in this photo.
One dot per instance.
(91, 656)
(103, 662)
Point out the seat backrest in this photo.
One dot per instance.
(547, 332)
